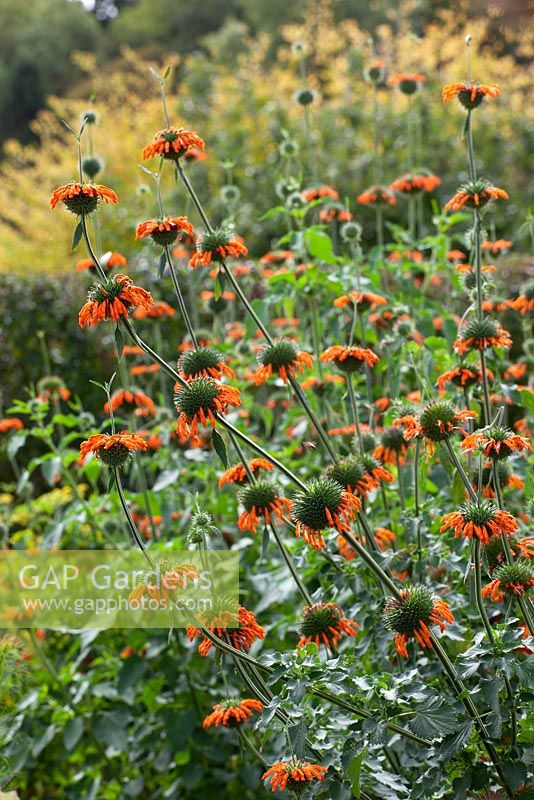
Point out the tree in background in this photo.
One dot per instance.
(36, 40)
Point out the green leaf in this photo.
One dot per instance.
(515, 773)
(51, 470)
(297, 736)
(131, 673)
(110, 728)
(527, 399)
(436, 343)
(434, 721)
(119, 342)
(354, 772)
(14, 444)
(77, 235)
(73, 733)
(320, 246)
(455, 741)
(273, 212)
(179, 726)
(220, 447)
(167, 478)
(45, 738)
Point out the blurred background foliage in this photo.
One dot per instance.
(236, 89)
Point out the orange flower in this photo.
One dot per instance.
(217, 245)
(231, 713)
(260, 501)
(144, 369)
(375, 471)
(393, 446)
(470, 95)
(335, 212)
(242, 637)
(292, 775)
(323, 504)
(195, 154)
(383, 537)
(510, 580)
(114, 260)
(164, 231)
(411, 614)
(277, 257)
(324, 623)
(377, 195)
(143, 522)
(411, 255)
(499, 246)
(408, 82)
(108, 261)
(437, 421)
(479, 519)
(286, 322)
(199, 402)
(238, 473)
(475, 194)
(52, 386)
(204, 362)
(172, 143)
(153, 440)
(157, 310)
(350, 359)
(496, 442)
(11, 424)
(206, 294)
(112, 300)
(113, 449)
(515, 371)
(364, 300)
(131, 400)
(280, 358)
(481, 335)
(82, 198)
(318, 385)
(525, 301)
(460, 376)
(456, 255)
(414, 183)
(318, 192)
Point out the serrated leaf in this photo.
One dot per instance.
(515, 773)
(455, 742)
(219, 447)
(434, 722)
(524, 671)
(77, 235)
